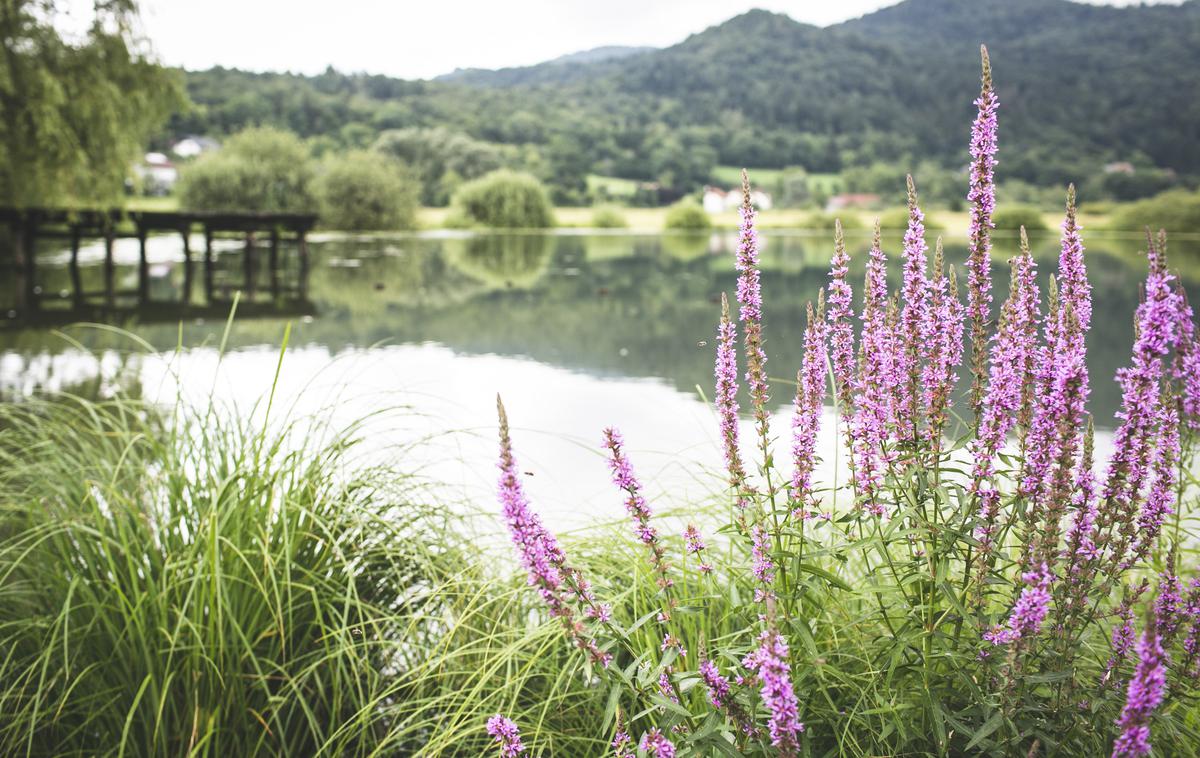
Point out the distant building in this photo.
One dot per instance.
(852, 200)
(1119, 167)
(157, 174)
(190, 147)
(717, 200)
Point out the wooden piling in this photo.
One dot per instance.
(302, 284)
(21, 290)
(208, 265)
(186, 297)
(248, 267)
(143, 284)
(110, 272)
(76, 280)
(273, 263)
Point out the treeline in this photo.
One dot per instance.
(764, 91)
(273, 171)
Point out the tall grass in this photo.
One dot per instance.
(192, 585)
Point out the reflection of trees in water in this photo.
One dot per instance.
(622, 304)
(93, 376)
(501, 260)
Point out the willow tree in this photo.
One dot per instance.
(75, 107)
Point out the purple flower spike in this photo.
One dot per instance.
(1141, 412)
(557, 582)
(635, 504)
(945, 348)
(1011, 370)
(750, 314)
(726, 373)
(982, 199)
(718, 686)
(1145, 692)
(875, 381)
(841, 330)
(916, 328)
(810, 397)
(770, 664)
(506, 734)
(1030, 610)
(762, 565)
(656, 743)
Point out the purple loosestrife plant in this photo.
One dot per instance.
(635, 504)
(1141, 410)
(1029, 611)
(763, 567)
(873, 408)
(750, 313)
(1186, 367)
(945, 348)
(1169, 603)
(841, 328)
(1144, 694)
(726, 372)
(1012, 351)
(1074, 296)
(806, 419)
(506, 735)
(1007, 522)
(916, 328)
(982, 199)
(559, 584)
(1165, 468)
(770, 665)
(655, 743)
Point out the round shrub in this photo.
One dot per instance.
(362, 191)
(261, 169)
(1177, 210)
(825, 221)
(607, 217)
(897, 218)
(503, 199)
(687, 215)
(1012, 218)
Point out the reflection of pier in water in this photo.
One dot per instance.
(285, 291)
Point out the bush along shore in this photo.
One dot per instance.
(1000, 593)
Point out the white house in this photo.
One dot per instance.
(158, 174)
(717, 200)
(190, 147)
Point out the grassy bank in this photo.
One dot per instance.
(653, 220)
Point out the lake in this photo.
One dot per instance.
(577, 330)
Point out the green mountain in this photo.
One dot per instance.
(562, 69)
(1079, 86)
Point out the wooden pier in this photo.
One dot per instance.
(284, 236)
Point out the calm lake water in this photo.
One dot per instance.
(577, 331)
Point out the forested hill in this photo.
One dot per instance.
(1079, 86)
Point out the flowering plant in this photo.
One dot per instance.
(993, 584)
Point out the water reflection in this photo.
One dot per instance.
(579, 330)
(604, 304)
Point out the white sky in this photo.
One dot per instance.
(424, 38)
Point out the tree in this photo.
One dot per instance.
(361, 191)
(441, 158)
(264, 170)
(503, 199)
(74, 113)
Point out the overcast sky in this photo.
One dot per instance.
(424, 38)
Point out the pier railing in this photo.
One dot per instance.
(279, 235)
